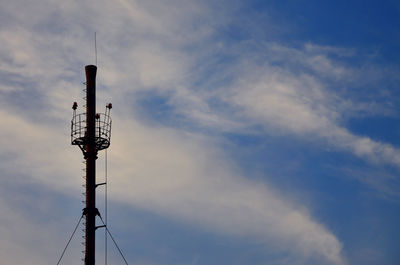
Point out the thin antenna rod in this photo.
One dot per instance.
(95, 48)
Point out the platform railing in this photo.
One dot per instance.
(102, 133)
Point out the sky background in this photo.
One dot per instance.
(244, 132)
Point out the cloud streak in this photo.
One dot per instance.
(183, 176)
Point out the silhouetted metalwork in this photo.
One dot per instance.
(103, 130)
(91, 132)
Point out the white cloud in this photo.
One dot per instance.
(176, 174)
(301, 106)
(35, 153)
(183, 176)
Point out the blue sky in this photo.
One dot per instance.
(244, 132)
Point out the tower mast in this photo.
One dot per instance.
(91, 155)
(91, 131)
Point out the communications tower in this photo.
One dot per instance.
(91, 131)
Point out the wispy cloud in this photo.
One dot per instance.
(183, 176)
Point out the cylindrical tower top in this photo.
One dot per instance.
(90, 71)
(90, 102)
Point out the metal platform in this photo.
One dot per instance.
(103, 130)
